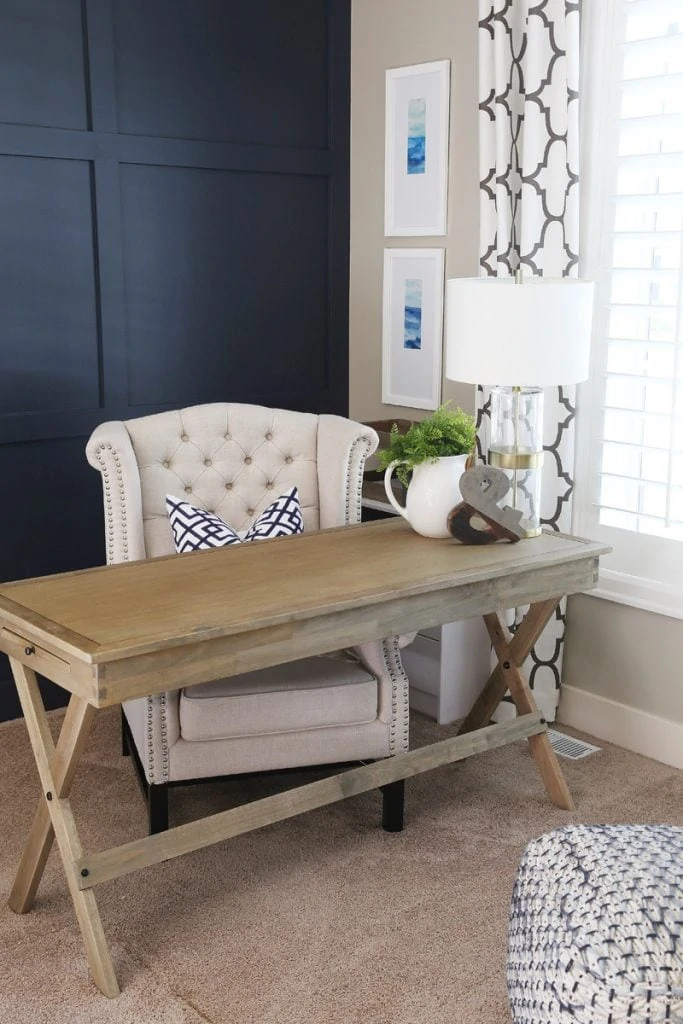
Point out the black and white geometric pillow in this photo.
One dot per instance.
(281, 519)
(194, 529)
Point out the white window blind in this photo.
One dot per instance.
(630, 464)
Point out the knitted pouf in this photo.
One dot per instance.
(596, 925)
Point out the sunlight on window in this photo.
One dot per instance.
(640, 486)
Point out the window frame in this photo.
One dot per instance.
(644, 575)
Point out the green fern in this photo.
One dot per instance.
(443, 433)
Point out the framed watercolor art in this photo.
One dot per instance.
(416, 149)
(412, 328)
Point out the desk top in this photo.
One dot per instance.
(134, 607)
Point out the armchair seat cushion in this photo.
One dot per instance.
(307, 694)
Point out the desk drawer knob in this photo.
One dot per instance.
(29, 650)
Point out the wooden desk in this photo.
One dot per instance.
(124, 631)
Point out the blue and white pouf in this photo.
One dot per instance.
(596, 927)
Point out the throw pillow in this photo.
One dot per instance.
(281, 519)
(194, 529)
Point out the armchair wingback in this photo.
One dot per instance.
(234, 460)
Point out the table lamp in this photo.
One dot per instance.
(518, 336)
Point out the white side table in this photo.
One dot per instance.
(447, 665)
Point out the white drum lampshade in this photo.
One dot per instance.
(519, 337)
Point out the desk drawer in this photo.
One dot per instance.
(33, 655)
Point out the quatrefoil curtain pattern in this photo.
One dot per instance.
(529, 218)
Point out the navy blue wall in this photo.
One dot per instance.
(173, 230)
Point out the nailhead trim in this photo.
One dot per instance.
(107, 486)
(358, 453)
(399, 730)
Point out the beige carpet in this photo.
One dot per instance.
(323, 919)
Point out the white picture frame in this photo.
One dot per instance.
(416, 149)
(412, 327)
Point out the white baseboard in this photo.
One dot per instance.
(625, 726)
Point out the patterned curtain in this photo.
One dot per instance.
(529, 218)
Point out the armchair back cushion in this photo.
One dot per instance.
(227, 461)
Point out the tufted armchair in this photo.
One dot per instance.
(234, 460)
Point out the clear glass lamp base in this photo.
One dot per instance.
(516, 447)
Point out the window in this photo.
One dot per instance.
(630, 437)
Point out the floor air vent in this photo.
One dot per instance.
(567, 746)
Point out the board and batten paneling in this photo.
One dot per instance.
(173, 230)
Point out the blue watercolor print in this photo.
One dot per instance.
(412, 314)
(417, 132)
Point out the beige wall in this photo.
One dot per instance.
(612, 651)
(625, 654)
(388, 34)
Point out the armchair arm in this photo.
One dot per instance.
(154, 721)
(343, 447)
(110, 451)
(155, 725)
(383, 659)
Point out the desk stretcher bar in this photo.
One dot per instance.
(121, 860)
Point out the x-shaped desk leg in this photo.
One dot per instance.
(54, 819)
(56, 766)
(512, 652)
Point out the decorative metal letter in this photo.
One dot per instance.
(482, 488)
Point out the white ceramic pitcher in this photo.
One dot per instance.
(432, 493)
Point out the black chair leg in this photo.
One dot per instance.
(157, 807)
(393, 799)
(125, 745)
